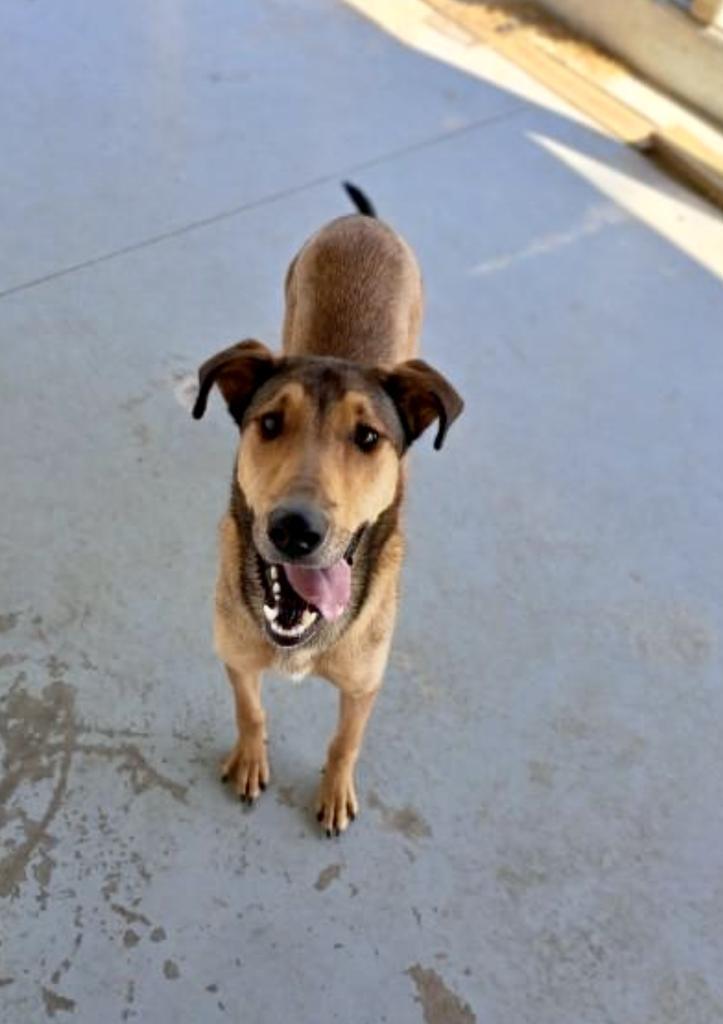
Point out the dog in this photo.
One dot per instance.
(311, 546)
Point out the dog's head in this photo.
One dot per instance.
(319, 461)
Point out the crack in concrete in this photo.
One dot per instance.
(323, 179)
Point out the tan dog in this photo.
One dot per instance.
(311, 546)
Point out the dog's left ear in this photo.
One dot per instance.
(239, 371)
(421, 395)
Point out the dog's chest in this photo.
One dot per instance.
(295, 665)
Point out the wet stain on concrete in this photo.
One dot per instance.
(158, 935)
(674, 635)
(142, 434)
(10, 660)
(327, 876)
(170, 970)
(55, 1003)
(142, 775)
(8, 621)
(685, 997)
(285, 796)
(40, 736)
(130, 999)
(405, 820)
(43, 743)
(541, 773)
(516, 883)
(439, 1004)
(129, 916)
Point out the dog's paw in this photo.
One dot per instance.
(247, 768)
(336, 804)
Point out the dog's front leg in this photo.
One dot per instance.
(337, 804)
(247, 765)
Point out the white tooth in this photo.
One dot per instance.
(270, 613)
(273, 572)
(308, 618)
(292, 631)
(276, 588)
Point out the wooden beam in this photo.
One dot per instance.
(689, 158)
(710, 12)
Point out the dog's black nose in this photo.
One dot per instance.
(297, 529)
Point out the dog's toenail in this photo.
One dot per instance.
(328, 833)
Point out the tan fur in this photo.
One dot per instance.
(314, 458)
(353, 292)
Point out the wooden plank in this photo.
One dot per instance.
(710, 12)
(517, 32)
(579, 73)
(691, 159)
(615, 116)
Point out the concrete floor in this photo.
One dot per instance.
(542, 832)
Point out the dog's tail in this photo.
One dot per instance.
(357, 197)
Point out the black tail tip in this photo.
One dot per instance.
(362, 203)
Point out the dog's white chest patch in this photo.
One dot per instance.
(294, 667)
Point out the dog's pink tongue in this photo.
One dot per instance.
(327, 589)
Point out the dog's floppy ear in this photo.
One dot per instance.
(239, 371)
(422, 395)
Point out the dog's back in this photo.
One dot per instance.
(354, 291)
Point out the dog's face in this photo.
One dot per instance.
(319, 461)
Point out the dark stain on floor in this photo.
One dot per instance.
(55, 1003)
(170, 970)
(40, 736)
(327, 876)
(405, 820)
(286, 796)
(129, 916)
(439, 1004)
(8, 621)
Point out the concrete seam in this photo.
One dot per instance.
(274, 197)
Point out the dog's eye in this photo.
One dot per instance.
(366, 438)
(270, 425)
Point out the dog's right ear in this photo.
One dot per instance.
(239, 372)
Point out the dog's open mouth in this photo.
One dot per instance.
(297, 599)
